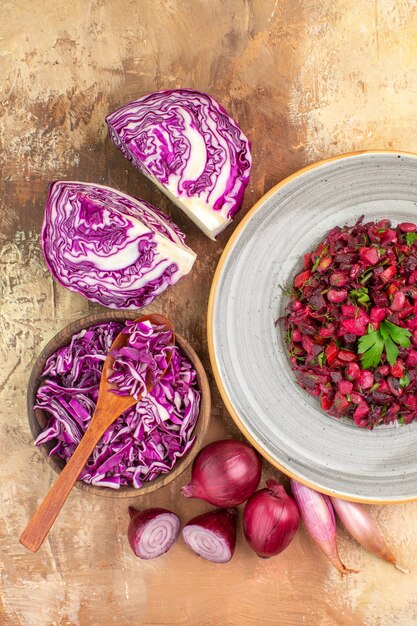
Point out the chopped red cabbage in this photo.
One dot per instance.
(145, 356)
(145, 441)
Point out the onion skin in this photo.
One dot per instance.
(225, 473)
(141, 543)
(212, 535)
(363, 528)
(318, 517)
(270, 520)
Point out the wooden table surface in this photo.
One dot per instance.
(306, 80)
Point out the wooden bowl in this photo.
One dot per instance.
(38, 419)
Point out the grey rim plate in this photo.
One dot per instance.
(247, 350)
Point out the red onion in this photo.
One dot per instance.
(225, 473)
(364, 529)
(212, 535)
(152, 532)
(317, 514)
(270, 520)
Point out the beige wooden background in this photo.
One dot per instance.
(306, 79)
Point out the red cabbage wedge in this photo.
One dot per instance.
(186, 143)
(112, 248)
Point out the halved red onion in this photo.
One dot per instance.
(152, 532)
(212, 535)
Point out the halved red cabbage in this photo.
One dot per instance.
(112, 248)
(187, 144)
(145, 356)
(145, 441)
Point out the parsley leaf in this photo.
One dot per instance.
(320, 359)
(391, 351)
(371, 345)
(397, 333)
(410, 238)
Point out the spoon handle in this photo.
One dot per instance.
(40, 524)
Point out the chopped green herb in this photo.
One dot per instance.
(401, 419)
(371, 345)
(405, 381)
(410, 238)
(320, 359)
(374, 387)
(360, 296)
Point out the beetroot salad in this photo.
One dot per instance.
(351, 325)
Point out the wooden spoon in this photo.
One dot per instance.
(109, 407)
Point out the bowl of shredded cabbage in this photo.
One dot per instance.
(151, 443)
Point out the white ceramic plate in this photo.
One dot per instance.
(247, 350)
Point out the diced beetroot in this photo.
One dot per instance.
(338, 279)
(383, 385)
(340, 403)
(412, 279)
(302, 278)
(324, 263)
(328, 330)
(382, 399)
(356, 326)
(349, 310)
(355, 270)
(409, 417)
(411, 360)
(412, 323)
(397, 370)
(407, 227)
(331, 353)
(369, 256)
(406, 312)
(326, 402)
(347, 355)
(317, 302)
(383, 370)
(296, 335)
(352, 372)
(307, 262)
(356, 398)
(345, 387)
(360, 413)
(392, 412)
(307, 327)
(398, 301)
(410, 401)
(307, 344)
(394, 386)
(377, 314)
(337, 363)
(297, 305)
(384, 223)
(337, 296)
(366, 379)
(388, 274)
(390, 236)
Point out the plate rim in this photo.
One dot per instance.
(210, 327)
